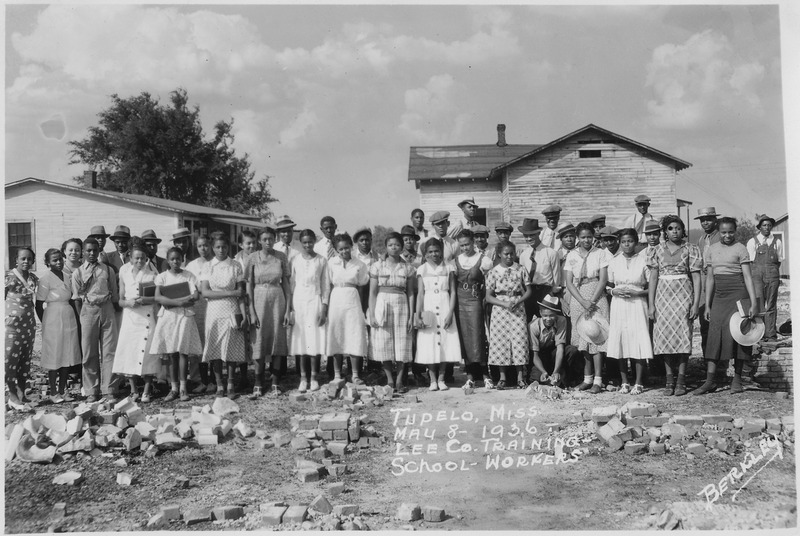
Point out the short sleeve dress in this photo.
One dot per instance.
(223, 340)
(391, 340)
(20, 322)
(629, 336)
(61, 345)
(435, 343)
(347, 331)
(176, 330)
(672, 329)
(508, 335)
(309, 284)
(584, 268)
(269, 272)
(133, 356)
(200, 306)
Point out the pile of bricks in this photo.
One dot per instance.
(123, 427)
(640, 428)
(775, 369)
(349, 393)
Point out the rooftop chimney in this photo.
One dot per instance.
(501, 135)
(90, 178)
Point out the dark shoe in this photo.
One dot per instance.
(584, 386)
(680, 386)
(669, 390)
(736, 385)
(708, 387)
(595, 389)
(173, 395)
(184, 396)
(500, 385)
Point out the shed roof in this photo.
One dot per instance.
(484, 161)
(144, 200)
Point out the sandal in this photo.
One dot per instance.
(199, 390)
(66, 398)
(624, 389)
(357, 380)
(488, 383)
(469, 385)
(145, 398)
(172, 395)
(637, 389)
(256, 393)
(56, 399)
(20, 406)
(274, 392)
(184, 396)
(521, 384)
(443, 386)
(211, 388)
(501, 385)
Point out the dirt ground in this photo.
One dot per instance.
(598, 490)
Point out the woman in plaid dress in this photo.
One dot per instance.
(674, 300)
(507, 288)
(391, 300)
(586, 271)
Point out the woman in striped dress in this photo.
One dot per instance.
(674, 300)
(586, 275)
(507, 287)
(391, 301)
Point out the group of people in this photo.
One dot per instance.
(550, 312)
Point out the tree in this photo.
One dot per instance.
(143, 147)
(379, 233)
(746, 229)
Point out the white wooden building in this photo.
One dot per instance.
(591, 170)
(43, 214)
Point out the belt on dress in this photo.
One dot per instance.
(392, 290)
(587, 280)
(474, 288)
(504, 293)
(345, 285)
(267, 285)
(672, 277)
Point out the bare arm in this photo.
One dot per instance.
(651, 289)
(373, 298)
(748, 283)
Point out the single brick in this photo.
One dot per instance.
(281, 439)
(334, 421)
(774, 425)
(124, 479)
(688, 419)
(658, 448)
(409, 512)
(615, 443)
(208, 439)
(227, 512)
(336, 489)
(717, 419)
(295, 514)
(343, 510)
(300, 443)
(635, 447)
(433, 514)
(157, 521)
(674, 430)
(656, 421)
(337, 469)
(697, 449)
(320, 453)
(337, 448)
(374, 441)
(604, 414)
(171, 511)
(297, 397)
(320, 504)
(273, 515)
(308, 474)
(340, 435)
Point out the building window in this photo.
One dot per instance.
(589, 153)
(19, 235)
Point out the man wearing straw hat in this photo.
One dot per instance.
(182, 239)
(98, 232)
(548, 333)
(467, 221)
(708, 221)
(285, 227)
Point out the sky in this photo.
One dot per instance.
(327, 100)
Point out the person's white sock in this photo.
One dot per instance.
(587, 378)
(598, 380)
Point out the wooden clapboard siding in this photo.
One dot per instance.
(586, 186)
(58, 215)
(781, 229)
(445, 195)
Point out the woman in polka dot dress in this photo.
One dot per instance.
(20, 327)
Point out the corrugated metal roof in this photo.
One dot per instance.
(460, 161)
(145, 200)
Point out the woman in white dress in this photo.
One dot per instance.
(176, 332)
(61, 345)
(347, 330)
(437, 336)
(133, 357)
(628, 336)
(198, 371)
(310, 293)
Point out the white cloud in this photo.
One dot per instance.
(432, 113)
(304, 122)
(700, 81)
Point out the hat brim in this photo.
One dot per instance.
(286, 226)
(120, 236)
(757, 330)
(582, 329)
(549, 306)
(156, 240)
(529, 231)
(188, 235)
(715, 215)
(762, 220)
(461, 204)
(99, 236)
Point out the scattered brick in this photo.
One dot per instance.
(295, 514)
(337, 469)
(320, 453)
(717, 419)
(244, 429)
(336, 489)
(208, 439)
(158, 521)
(281, 439)
(320, 504)
(634, 447)
(658, 448)
(433, 514)
(171, 511)
(224, 406)
(338, 448)
(297, 397)
(227, 512)
(688, 419)
(346, 510)
(124, 479)
(696, 449)
(409, 512)
(334, 421)
(70, 478)
(198, 515)
(300, 443)
(308, 475)
(59, 511)
(169, 442)
(604, 414)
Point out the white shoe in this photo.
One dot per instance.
(433, 387)
(303, 386)
(314, 385)
(443, 386)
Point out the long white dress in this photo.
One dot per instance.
(61, 346)
(176, 330)
(347, 330)
(309, 278)
(133, 356)
(435, 344)
(201, 305)
(629, 337)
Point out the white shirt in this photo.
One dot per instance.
(450, 248)
(367, 259)
(633, 220)
(548, 238)
(468, 262)
(461, 223)
(548, 269)
(759, 240)
(325, 248)
(286, 249)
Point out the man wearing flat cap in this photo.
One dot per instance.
(766, 254)
(98, 232)
(285, 227)
(597, 222)
(467, 220)
(481, 235)
(503, 231)
(549, 234)
(182, 239)
(639, 220)
(440, 222)
(120, 257)
(708, 221)
(610, 237)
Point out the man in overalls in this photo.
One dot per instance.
(766, 255)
